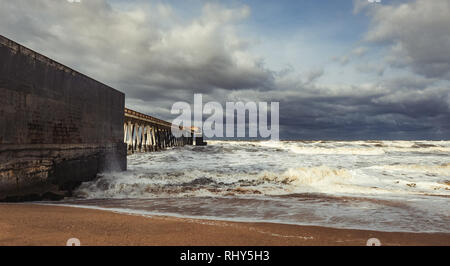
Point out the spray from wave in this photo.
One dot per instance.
(328, 183)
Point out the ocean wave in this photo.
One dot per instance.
(441, 169)
(337, 151)
(265, 168)
(405, 184)
(196, 183)
(321, 179)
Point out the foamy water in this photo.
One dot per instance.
(377, 185)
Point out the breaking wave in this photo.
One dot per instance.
(403, 185)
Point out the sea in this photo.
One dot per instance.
(392, 186)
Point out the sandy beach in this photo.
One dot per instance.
(42, 225)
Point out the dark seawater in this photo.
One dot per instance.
(375, 185)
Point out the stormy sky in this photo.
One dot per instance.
(340, 69)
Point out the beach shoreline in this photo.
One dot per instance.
(48, 225)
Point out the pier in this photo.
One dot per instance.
(59, 127)
(144, 133)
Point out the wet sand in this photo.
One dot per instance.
(41, 225)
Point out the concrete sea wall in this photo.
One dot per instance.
(58, 127)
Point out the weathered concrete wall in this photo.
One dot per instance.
(57, 127)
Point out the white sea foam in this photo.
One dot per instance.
(339, 151)
(417, 173)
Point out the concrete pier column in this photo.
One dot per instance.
(163, 138)
(141, 138)
(157, 142)
(146, 145)
(133, 138)
(158, 138)
(167, 138)
(129, 136)
(152, 138)
(148, 142)
(138, 138)
(144, 139)
(149, 139)
(152, 130)
(144, 136)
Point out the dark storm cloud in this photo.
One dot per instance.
(423, 114)
(404, 107)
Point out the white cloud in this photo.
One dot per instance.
(360, 51)
(144, 49)
(417, 33)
